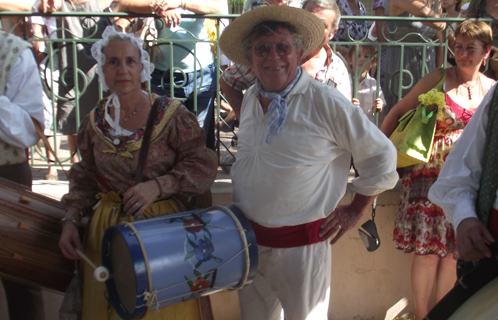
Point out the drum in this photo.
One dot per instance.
(30, 230)
(162, 261)
(475, 296)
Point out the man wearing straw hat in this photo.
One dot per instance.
(296, 138)
(322, 64)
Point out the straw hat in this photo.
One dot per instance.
(307, 25)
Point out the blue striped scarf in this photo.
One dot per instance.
(277, 110)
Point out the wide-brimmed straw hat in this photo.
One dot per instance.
(307, 25)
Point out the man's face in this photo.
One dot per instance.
(275, 70)
(327, 16)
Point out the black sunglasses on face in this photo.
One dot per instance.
(264, 49)
(369, 236)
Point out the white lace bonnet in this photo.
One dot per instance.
(111, 33)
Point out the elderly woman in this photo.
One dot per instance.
(420, 225)
(109, 140)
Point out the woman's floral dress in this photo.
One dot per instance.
(420, 225)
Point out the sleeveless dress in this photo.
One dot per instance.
(420, 225)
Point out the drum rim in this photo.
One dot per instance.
(469, 284)
(111, 285)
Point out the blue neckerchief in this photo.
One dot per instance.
(277, 110)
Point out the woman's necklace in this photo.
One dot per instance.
(469, 88)
(130, 116)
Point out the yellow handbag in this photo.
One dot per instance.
(414, 135)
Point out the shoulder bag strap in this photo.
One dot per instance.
(142, 157)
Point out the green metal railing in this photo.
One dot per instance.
(80, 83)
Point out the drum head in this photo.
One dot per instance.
(483, 305)
(122, 256)
(123, 273)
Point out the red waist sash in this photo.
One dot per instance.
(493, 223)
(288, 237)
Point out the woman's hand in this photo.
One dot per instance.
(140, 197)
(172, 18)
(356, 102)
(158, 6)
(70, 241)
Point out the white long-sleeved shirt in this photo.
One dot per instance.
(458, 183)
(367, 93)
(21, 102)
(301, 175)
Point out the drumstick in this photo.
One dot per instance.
(100, 273)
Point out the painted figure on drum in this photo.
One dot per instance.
(109, 140)
(296, 139)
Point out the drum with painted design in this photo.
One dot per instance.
(162, 261)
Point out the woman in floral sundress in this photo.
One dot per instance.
(421, 226)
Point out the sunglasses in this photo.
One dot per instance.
(264, 49)
(369, 235)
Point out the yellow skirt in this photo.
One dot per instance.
(95, 305)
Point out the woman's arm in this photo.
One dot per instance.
(410, 101)
(195, 6)
(82, 185)
(440, 57)
(417, 8)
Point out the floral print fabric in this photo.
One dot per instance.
(420, 225)
(177, 159)
(357, 29)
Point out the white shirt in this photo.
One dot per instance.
(458, 183)
(303, 173)
(21, 101)
(367, 93)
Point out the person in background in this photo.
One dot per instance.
(18, 111)
(463, 10)
(350, 30)
(185, 67)
(380, 32)
(45, 27)
(421, 226)
(466, 188)
(414, 65)
(296, 138)
(451, 9)
(77, 28)
(366, 97)
(322, 64)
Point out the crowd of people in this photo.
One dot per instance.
(308, 110)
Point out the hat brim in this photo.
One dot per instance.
(307, 25)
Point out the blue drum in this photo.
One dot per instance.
(162, 261)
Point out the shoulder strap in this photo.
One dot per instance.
(146, 140)
(440, 84)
